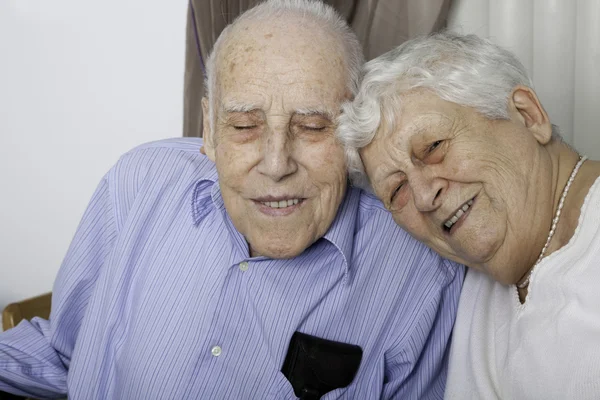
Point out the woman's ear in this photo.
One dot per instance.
(207, 133)
(525, 105)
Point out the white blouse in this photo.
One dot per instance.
(547, 348)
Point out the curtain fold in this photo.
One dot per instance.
(558, 41)
(379, 24)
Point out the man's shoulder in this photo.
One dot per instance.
(377, 232)
(165, 157)
(185, 148)
(369, 202)
(151, 168)
(372, 212)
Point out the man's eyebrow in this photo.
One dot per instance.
(316, 112)
(237, 107)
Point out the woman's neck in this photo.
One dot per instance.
(569, 218)
(564, 160)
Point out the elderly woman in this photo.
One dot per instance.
(456, 144)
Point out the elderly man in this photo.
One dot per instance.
(251, 272)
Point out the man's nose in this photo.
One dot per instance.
(427, 190)
(277, 159)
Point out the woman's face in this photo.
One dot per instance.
(473, 189)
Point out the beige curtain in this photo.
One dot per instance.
(379, 24)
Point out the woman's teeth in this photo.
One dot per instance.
(448, 224)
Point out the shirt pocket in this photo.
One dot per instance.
(280, 389)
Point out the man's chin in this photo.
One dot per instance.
(277, 250)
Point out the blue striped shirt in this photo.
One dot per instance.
(158, 297)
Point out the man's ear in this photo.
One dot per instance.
(525, 105)
(207, 132)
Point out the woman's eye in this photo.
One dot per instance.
(434, 146)
(395, 192)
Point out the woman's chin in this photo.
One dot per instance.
(485, 259)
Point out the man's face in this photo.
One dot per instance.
(281, 170)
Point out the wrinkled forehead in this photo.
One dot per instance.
(416, 114)
(292, 55)
(406, 122)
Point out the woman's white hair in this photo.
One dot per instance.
(311, 10)
(463, 69)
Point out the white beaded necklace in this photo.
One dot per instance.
(525, 283)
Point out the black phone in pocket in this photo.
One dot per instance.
(315, 366)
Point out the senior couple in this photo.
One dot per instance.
(245, 266)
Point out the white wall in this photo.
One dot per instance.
(81, 82)
(558, 41)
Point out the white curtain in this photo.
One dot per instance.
(558, 41)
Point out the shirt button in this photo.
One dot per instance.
(243, 266)
(216, 351)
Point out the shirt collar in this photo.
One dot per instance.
(202, 195)
(342, 229)
(340, 234)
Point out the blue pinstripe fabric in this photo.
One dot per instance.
(151, 283)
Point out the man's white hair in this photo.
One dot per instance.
(312, 10)
(463, 69)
